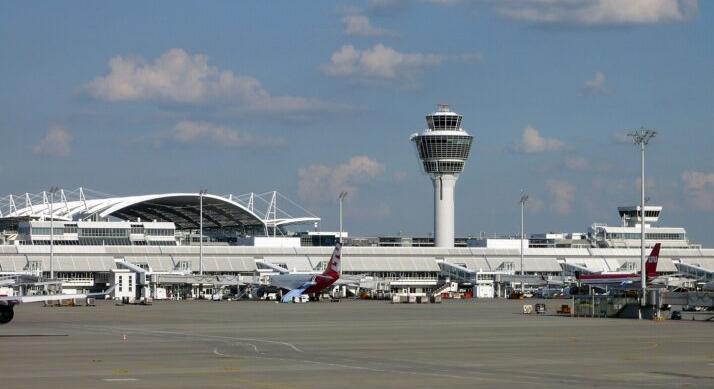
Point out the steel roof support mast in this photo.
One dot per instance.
(642, 137)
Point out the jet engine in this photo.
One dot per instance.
(6, 313)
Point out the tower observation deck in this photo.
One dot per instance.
(443, 149)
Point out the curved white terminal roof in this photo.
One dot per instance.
(180, 208)
(291, 221)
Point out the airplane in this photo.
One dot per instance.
(623, 278)
(298, 284)
(7, 303)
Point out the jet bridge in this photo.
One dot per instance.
(573, 268)
(464, 275)
(141, 273)
(695, 271)
(457, 273)
(25, 283)
(267, 264)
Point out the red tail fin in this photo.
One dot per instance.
(651, 264)
(334, 266)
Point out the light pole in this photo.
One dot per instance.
(642, 137)
(342, 196)
(200, 227)
(523, 200)
(52, 191)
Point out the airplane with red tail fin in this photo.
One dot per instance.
(623, 278)
(300, 284)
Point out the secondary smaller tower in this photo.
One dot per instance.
(443, 149)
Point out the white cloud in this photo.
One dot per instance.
(387, 6)
(400, 176)
(621, 137)
(361, 25)
(535, 204)
(562, 196)
(380, 63)
(600, 12)
(618, 186)
(179, 77)
(57, 142)
(318, 183)
(444, 2)
(697, 180)
(189, 132)
(699, 188)
(532, 142)
(576, 163)
(596, 86)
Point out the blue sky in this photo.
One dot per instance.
(311, 98)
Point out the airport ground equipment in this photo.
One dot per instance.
(565, 310)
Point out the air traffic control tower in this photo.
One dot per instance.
(443, 149)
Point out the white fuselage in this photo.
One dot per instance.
(290, 281)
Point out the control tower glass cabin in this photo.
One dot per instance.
(443, 149)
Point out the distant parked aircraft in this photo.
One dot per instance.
(298, 284)
(623, 278)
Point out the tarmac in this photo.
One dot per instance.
(350, 344)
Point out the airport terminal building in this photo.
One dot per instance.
(87, 242)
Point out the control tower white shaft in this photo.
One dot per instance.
(443, 149)
(444, 210)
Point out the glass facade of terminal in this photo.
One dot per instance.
(97, 234)
(648, 236)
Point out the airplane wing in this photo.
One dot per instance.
(12, 300)
(297, 292)
(7, 303)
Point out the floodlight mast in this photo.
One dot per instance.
(523, 201)
(201, 193)
(52, 191)
(642, 137)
